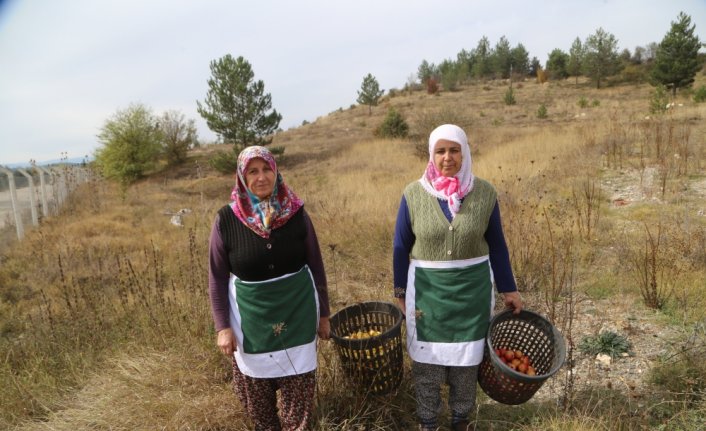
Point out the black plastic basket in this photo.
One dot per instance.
(537, 338)
(372, 364)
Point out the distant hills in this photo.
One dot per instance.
(73, 161)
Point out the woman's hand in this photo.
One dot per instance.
(401, 304)
(324, 330)
(226, 341)
(513, 301)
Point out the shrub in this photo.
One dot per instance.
(659, 100)
(432, 86)
(541, 76)
(595, 103)
(224, 162)
(393, 126)
(606, 342)
(542, 111)
(509, 98)
(700, 94)
(583, 102)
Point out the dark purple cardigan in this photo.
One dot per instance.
(219, 273)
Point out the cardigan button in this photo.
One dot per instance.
(448, 252)
(451, 228)
(269, 246)
(270, 266)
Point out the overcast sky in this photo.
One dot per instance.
(67, 66)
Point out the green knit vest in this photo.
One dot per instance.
(463, 238)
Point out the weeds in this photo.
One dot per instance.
(607, 343)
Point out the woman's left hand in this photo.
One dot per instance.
(324, 328)
(513, 301)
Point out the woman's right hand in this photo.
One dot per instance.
(226, 341)
(401, 304)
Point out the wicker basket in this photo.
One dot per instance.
(537, 338)
(373, 364)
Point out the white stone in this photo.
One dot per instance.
(604, 359)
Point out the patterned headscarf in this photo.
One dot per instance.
(262, 216)
(450, 189)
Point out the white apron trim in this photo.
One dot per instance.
(289, 362)
(448, 354)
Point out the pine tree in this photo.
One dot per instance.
(676, 62)
(236, 106)
(575, 59)
(369, 93)
(601, 56)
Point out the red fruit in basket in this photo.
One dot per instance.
(522, 367)
(509, 355)
(525, 360)
(497, 352)
(516, 362)
(531, 371)
(519, 354)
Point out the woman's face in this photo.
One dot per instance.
(447, 157)
(260, 178)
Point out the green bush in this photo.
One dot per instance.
(595, 103)
(542, 111)
(659, 99)
(607, 342)
(393, 126)
(700, 94)
(509, 98)
(583, 102)
(224, 162)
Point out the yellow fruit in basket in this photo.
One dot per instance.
(361, 335)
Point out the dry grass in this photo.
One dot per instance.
(104, 312)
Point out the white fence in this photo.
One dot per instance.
(28, 195)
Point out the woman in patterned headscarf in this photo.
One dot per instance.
(449, 249)
(268, 294)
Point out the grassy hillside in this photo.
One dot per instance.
(104, 316)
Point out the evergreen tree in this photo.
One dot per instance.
(534, 67)
(557, 64)
(520, 60)
(482, 66)
(601, 56)
(449, 74)
(426, 71)
(236, 107)
(575, 64)
(502, 58)
(370, 93)
(393, 126)
(676, 62)
(465, 60)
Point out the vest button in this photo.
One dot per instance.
(269, 246)
(448, 252)
(270, 266)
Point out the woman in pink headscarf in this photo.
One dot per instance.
(449, 250)
(268, 294)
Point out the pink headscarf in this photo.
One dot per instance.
(262, 216)
(450, 189)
